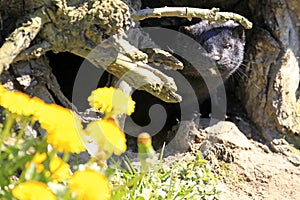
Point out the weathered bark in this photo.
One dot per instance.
(213, 14)
(270, 92)
(228, 5)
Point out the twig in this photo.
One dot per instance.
(34, 52)
(189, 13)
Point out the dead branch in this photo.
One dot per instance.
(185, 12)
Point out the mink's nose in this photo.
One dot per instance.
(216, 57)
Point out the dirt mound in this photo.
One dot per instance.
(247, 169)
(260, 174)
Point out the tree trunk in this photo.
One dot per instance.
(270, 94)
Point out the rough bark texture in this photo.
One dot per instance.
(270, 92)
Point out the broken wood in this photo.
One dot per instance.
(212, 15)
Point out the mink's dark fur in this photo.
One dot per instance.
(224, 43)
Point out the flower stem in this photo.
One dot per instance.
(9, 122)
(66, 156)
(22, 131)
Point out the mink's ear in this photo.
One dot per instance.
(239, 32)
(184, 29)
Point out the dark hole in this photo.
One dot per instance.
(65, 67)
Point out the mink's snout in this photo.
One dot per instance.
(216, 58)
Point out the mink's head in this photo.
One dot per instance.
(224, 44)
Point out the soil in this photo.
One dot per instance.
(260, 174)
(248, 169)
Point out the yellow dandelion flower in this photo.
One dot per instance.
(51, 115)
(66, 138)
(35, 105)
(107, 135)
(2, 89)
(33, 190)
(89, 185)
(63, 128)
(18, 102)
(38, 160)
(111, 101)
(15, 102)
(60, 170)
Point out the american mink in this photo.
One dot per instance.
(224, 43)
(223, 46)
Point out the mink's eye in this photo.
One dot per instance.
(227, 46)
